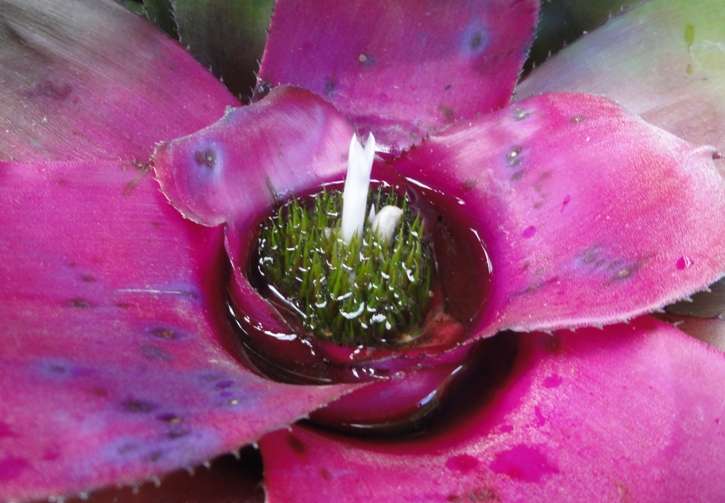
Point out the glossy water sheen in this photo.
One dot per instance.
(407, 381)
(462, 267)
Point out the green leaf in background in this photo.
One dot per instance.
(134, 6)
(160, 12)
(227, 36)
(564, 21)
(665, 60)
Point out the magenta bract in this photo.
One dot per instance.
(580, 416)
(589, 214)
(401, 70)
(117, 363)
(118, 360)
(88, 79)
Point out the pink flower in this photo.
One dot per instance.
(119, 363)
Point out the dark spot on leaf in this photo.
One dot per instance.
(138, 406)
(448, 86)
(224, 384)
(589, 255)
(469, 184)
(297, 446)
(100, 392)
(59, 369)
(475, 41)
(177, 433)
(155, 456)
(325, 473)
(58, 91)
(517, 176)
(205, 158)
(169, 417)
(447, 112)
(127, 448)
(213, 377)
(62, 182)
(156, 353)
(87, 278)
(513, 157)
(78, 303)
(122, 305)
(165, 333)
(624, 272)
(478, 495)
(330, 86)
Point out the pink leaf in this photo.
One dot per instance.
(624, 414)
(401, 69)
(235, 169)
(118, 361)
(88, 79)
(589, 214)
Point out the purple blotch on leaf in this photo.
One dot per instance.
(523, 463)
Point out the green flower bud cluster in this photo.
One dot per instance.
(366, 292)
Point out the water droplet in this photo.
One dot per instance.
(513, 157)
(475, 40)
(684, 262)
(206, 157)
(263, 88)
(529, 232)
(520, 114)
(689, 35)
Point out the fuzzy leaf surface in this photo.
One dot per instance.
(117, 361)
(664, 60)
(88, 79)
(627, 413)
(588, 214)
(401, 69)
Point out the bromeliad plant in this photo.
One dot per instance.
(121, 358)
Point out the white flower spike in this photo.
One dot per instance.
(357, 183)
